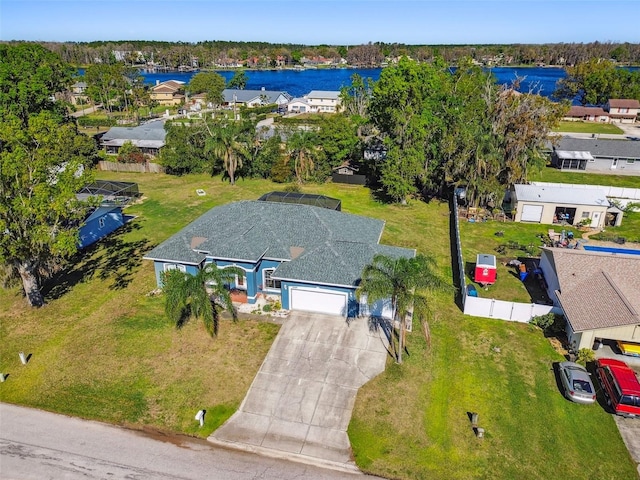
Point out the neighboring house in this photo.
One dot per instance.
(597, 155)
(298, 105)
(311, 257)
(599, 294)
(150, 138)
(100, 223)
(316, 101)
(588, 114)
(168, 93)
(622, 110)
(253, 98)
(557, 205)
(79, 93)
(348, 173)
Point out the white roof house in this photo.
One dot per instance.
(566, 206)
(316, 101)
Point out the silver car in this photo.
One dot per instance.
(576, 383)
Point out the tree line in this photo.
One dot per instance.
(208, 54)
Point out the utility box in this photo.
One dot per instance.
(485, 273)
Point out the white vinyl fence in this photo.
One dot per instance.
(500, 309)
(489, 307)
(623, 195)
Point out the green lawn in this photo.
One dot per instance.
(550, 174)
(587, 127)
(102, 349)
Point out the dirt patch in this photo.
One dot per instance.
(559, 345)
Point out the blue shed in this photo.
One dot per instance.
(100, 223)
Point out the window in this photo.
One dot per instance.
(174, 266)
(630, 161)
(101, 222)
(269, 283)
(585, 214)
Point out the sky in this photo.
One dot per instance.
(331, 22)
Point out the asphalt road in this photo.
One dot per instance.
(41, 445)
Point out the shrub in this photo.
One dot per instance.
(267, 308)
(550, 323)
(543, 321)
(292, 187)
(585, 355)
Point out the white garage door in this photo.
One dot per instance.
(320, 301)
(531, 213)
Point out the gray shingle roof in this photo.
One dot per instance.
(570, 196)
(152, 131)
(599, 147)
(317, 244)
(245, 96)
(327, 94)
(336, 263)
(597, 290)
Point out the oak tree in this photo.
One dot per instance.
(44, 161)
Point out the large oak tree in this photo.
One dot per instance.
(44, 161)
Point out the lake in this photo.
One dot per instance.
(540, 80)
(301, 82)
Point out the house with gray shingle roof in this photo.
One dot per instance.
(598, 292)
(598, 155)
(150, 138)
(311, 257)
(253, 98)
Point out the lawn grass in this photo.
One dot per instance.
(587, 127)
(550, 174)
(480, 237)
(412, 421)
(629, 230)
(102, 349)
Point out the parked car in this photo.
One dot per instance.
(577, 383)
(620, 385)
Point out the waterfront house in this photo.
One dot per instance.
(168, 93)
(622, 110)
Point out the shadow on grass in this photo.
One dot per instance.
(455, 255)
(110, 258)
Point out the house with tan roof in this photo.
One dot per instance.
(170, 92)
(598, 292)
(622, 110)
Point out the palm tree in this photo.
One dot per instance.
(199, 295)
(227, 143)
(403, 281)
(302, 149)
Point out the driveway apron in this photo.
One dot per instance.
(300, 402)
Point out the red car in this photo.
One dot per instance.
(620, 386)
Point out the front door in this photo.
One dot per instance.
(614, 164)
(595, 220)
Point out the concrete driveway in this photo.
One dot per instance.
(300, 403)
(630, 432)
